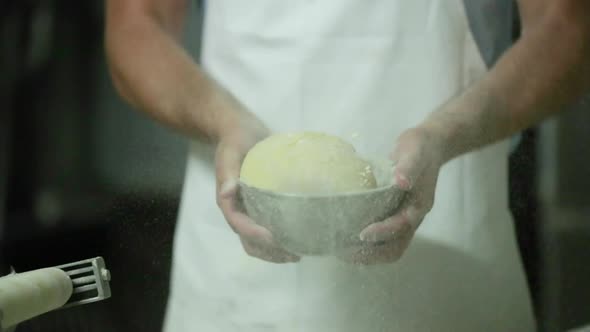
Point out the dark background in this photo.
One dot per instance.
(82, 175)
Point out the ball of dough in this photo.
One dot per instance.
(306, 162)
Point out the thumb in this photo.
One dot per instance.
(408, 165)
(228, 162)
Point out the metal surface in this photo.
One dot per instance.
(322, 224)
(564, 200)
(90, 279)
(10, 329)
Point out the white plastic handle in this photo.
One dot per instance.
(30, 294)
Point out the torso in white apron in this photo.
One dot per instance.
(363, 70)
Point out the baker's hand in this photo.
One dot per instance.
(234, 144)
(418, 158)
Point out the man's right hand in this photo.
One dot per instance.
(155, 74)
(235, 141)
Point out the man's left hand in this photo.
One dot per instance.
(418, 157)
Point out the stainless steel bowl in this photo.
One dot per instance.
(312, 225)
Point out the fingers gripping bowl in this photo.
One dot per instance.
(318, 213)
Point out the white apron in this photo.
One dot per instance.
(364, 69)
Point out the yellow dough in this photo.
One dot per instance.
(306, 162)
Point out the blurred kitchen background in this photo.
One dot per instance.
(81, 175)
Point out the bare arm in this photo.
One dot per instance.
(154, 73)
(547, 69)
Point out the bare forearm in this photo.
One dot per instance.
(154, 73)
(547, 69)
